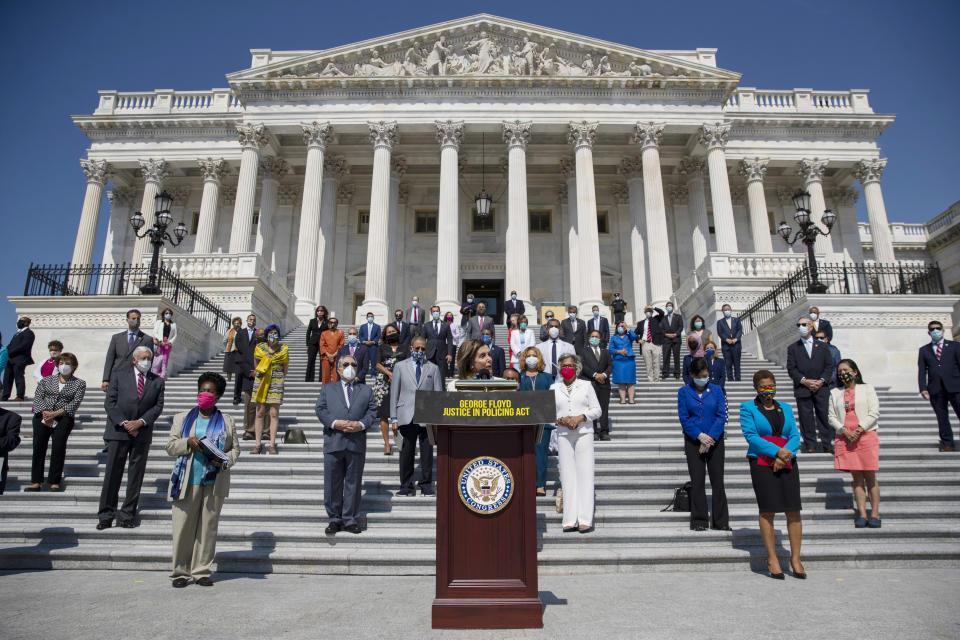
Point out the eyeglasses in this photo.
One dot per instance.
(802, 324)
(418, 349)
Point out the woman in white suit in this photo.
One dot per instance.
(520, 338)
(577, 408)
(854, 411)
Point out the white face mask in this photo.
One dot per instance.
(167, 316)
(369, 320)
(813, 316)
(349, 373)
(532, 362)
(65, 369)
(144, 365)
(553, 332)
(415, 303)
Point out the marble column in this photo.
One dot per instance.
(714, 138)
(622, 226)
(516, 135)
(273, 169)
(649, 135)
(334, 169)
(449, 135)
(97, 172)
(252, 137)
(212, 170)
(383, 136)
(285, 243)
(582, 135)
(571, 269)
(342, 230)
(398, 169)
(812, 173)
(316, 136)
(845, 201)
(869, 172)
(115, 247)
(754, 170)
(692, 169)
(154, 173)
(632, 169)
(679, 195)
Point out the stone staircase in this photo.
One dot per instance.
(273, 520)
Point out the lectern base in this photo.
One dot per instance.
(487, 613)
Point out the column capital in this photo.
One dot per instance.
(449, 133)
(647, 134)
(678, 193)
(383, 134)
(714, 135)
(273, 167)
(516, 133)
(812, 169)
(120, 196)
(568, 168)
(631, 167)
(154, 170)
(289, 193)
(345, 193)
(213, 169)
(96, 171)
(582, 134)
(317, 134)
(398, 167)
(692, 167)
(845, 196)
(620, 192)
(252, 136)
(869, 170)
(754, 169)
(335, 166)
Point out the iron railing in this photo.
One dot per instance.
(847, 278)
(121, 280)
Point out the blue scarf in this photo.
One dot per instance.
(216, 432)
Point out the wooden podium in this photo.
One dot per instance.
(486, 506)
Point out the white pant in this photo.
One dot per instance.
(575, 453)
(652, 357)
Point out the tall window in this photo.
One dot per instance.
(425, 222)
(540, 221)
(195, 224)
(256, 221)
(710, 220)
(603, 222)
(363, 221)
(483, 223)
(772, 221)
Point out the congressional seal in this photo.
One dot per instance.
(485, 485)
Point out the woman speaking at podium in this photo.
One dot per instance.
(473, 363)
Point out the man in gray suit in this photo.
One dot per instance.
(347, 410)
(479, 322)
(134, 402)
(120, 351)
(416, 316)
(409, 376)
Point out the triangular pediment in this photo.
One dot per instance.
(481, 48)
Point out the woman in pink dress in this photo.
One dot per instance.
(854, 411)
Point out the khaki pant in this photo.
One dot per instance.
(652, 356)
(195, 520)
(249, 415)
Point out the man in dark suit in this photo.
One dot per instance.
(573, 330)
(9, 440)
(808, 364)
(247, 340)
(547, 317)
(416, 316)
(597, 368)
(347, 410)
(730, 332)
(120, 350)
(134, 402)
(316, 326)
(600, 324)
(467, 311)
(352, 347)
(672, 326)
(819, 324)
(650, 338)
(404, 327)
(440, 347)
(19, 356)
(369, 333)
(478, 323)
(938, 368)
(497, 354)
(513, 306)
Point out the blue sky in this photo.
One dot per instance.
(57, 55)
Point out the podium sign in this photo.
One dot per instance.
(486, 506)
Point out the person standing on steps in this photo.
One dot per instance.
(553, 348)
(163, 345)
(247, 340)
(497, 354)
(416, 317)
(369, 333)
(49, 366)
(352, 347)
(272, 361)
(730, 332)
(809, 365)
(938, 368)
(9, 440)
(18, 357)
(624, 362)
(573, 330)
(392, 351)
(404, 328)
(514, 306)
(521, 338)
(672, 326)
(440, 346)
(230, 349)
(122, 345)
(55, 404)
(330, 342)
(409, 376)
(772, 438)
(598, 368)
(650, 338)
(619, 307)
(599, 324)
(534, 378)
(819, 324)
(315, 329)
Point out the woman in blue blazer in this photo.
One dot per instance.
(534, 378)
(773, 439)
(702, 409)
(624, 362)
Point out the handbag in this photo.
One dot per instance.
(295, 436)
(681, 499)
(767, 461)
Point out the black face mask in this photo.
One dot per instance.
(393, 338)
(20, 324)
(399, 316)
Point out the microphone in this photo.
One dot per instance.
(484, 375)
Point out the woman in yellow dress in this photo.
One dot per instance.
(271, 361)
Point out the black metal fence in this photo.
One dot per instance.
(847, 278)
(121, 280)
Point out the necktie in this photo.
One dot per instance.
(938, 349)
(554, 359)
(139, 384)
(436, 328)
(353, 348)
(349, 394)
(646, 335)
(419, 370)
(596, 353)
(414, 315)
(129, 341)
(729, 323)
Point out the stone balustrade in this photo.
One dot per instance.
(167, 101)
(751, 99)
(222, 266)
(902, 234)
(944, 221)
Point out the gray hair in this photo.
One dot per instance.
(143, 349)
(577, 363)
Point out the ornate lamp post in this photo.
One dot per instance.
(808, 232)
(158, 234)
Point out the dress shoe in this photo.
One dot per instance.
(36, 488)
(947, 448)
(860, 523)
(874, 523)
(570, 529)
(104, 524)
(427, 491)
(128, 524)
(180, 583)
(352, 528)
(800, 575)
(57, 489)
(810, 449)
(407, 492)
(205, 581)
(721, 528)
(698, 527)
(333, 528)
(586, 529)
(605, 437)
(778, 576)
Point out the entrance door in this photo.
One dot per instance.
(489, 291)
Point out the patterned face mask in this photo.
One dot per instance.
(847, 377)
(767, 392)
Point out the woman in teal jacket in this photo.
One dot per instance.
(773, 439)
(624, 361)
(534, 378)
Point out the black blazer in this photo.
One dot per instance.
(123, 404)
(120, 356)
(314, 329)
(592, 366)
(439, 345)
(499, 360)
(656, 327)
(9, 431)
(332, 406)
(604, 330)
(943, 375)
(826, 327)
(577, 338)
(245, 349)
(362, 355)
(20, 348)
(675, 325)
(510, 308)
(815, 367)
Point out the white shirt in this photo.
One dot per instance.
(808, 345)
(546, 351)
(578, 399)
(643, 329)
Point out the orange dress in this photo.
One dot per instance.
(330, 342)
(864, 453)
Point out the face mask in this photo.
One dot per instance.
(469, 300)
(369, 320)
(821, 339)
(414, 303)
(206, 400)
(236, 325)
(803, 330)
(649, 314)
(486, 339)
(349, 373)
(523, 326)
(513, 296)
(133, 324)
(392, 338)
(54, 355)
(549, 318)
(553, 332)
(65, 369)
(144, 365)
(701, 382)
(936, 334)
(692, 346)
(449, 319)
(669, 309)
(621, 330)
(568, 373)
(710, 352)
(726, 313)
(398, 316)
(847, 377)
(813, 317)
(573, 316)
(352, 339)
(767, 392)
(698, 325)
(594, 341)
(531, 362)
(616, 297)
(168, 316)
(595, 313)
(272, 337)
(20, 324)
(418, 356)
(436, 315)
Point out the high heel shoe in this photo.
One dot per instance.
(799, 575)
(775, 576)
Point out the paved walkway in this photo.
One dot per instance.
(881, 603)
